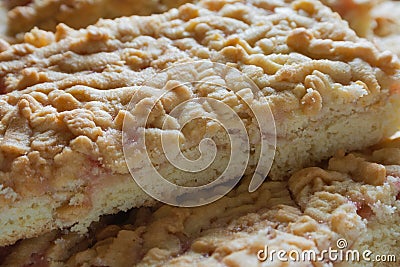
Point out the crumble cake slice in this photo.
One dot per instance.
(64, 97)
(24, 15)
(3, 21)
(229, 232)
(354, 198)
(376, 20)
(47, 14)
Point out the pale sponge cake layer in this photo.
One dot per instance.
(65, 95)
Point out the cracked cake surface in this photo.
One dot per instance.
(64, 97)
(354, 197)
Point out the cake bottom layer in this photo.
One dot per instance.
(109, 194)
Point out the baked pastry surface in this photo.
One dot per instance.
(64, 97)
(376, 20)
(355, 198)
(25, 15)
(387, 26)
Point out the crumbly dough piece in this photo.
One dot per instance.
(64, 97)
(356, 197)
(359, 193)
(377, 20)
(357, 12)
(387, 26)
(47, 14)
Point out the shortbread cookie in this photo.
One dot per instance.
(65, 97)
(46, 14)
(352, 206)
